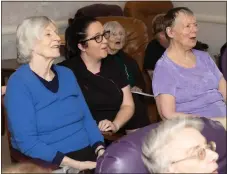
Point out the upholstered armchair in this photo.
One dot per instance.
(146, 11)
(124, 155)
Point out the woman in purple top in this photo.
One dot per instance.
(187, 81)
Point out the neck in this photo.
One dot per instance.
(93, 65)
(176, 51)
(163, 43)
(42, 67)
(111, 51)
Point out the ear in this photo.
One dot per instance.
(169, 32)
(81, 47)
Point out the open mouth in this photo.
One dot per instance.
(193, 38)
(118, 43)
(56, 46)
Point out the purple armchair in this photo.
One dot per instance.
(124, 156)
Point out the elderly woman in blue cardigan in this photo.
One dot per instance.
(48, 117)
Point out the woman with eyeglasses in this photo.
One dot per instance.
(104, 85)
(178, 146)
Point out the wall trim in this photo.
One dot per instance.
(11, 29)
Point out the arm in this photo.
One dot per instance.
(221, 80)
(164, 88)
(222, 88)
(22, 121)
(166, 107)
(127, 108)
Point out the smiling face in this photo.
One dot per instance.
(94, 49)
(184, 30)
(117, 39)
(48, 43)
(186, 145)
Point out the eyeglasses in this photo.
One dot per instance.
(200, 153)
(99, 38)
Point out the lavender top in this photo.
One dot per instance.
(195, 89)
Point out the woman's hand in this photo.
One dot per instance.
(136, 89)
(87, 165)
(106, 125)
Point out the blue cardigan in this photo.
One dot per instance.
(42, 123)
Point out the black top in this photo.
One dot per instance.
(153, 52)
(102, 91)
(132, 70)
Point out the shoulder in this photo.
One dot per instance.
(64, 72)
(62, 69)
(21, 74)
(203, 56)
(199, 53)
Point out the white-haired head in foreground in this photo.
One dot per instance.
(177, 146)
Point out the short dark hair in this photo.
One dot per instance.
(75, 34)
(171, 15)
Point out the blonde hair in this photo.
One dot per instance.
(27, 33)
(25, 168)
(156, 142)
(158, 24)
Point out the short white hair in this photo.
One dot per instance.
(27, 33)
(156, 143)
(112, 25)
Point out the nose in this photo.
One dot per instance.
(57, 37)
(104, 40)
(212, 155)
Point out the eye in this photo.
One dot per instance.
(98, 37)
(48, 34)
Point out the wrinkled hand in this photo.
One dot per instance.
(106, 125)
(136, 89)
(87, 165)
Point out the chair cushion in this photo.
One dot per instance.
(124, 156)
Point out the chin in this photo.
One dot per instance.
(103, 56)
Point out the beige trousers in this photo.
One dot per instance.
(222, 120)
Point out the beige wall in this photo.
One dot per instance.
(14, 12)
(211, 19)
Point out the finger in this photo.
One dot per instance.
(99, 125)
(106, 127)
(103, 125)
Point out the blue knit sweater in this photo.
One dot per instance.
(43, 123)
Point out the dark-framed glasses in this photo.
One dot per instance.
(99, 38)
(200, 152)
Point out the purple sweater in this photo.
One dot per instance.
(195, 89)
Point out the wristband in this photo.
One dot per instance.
(102, 148)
